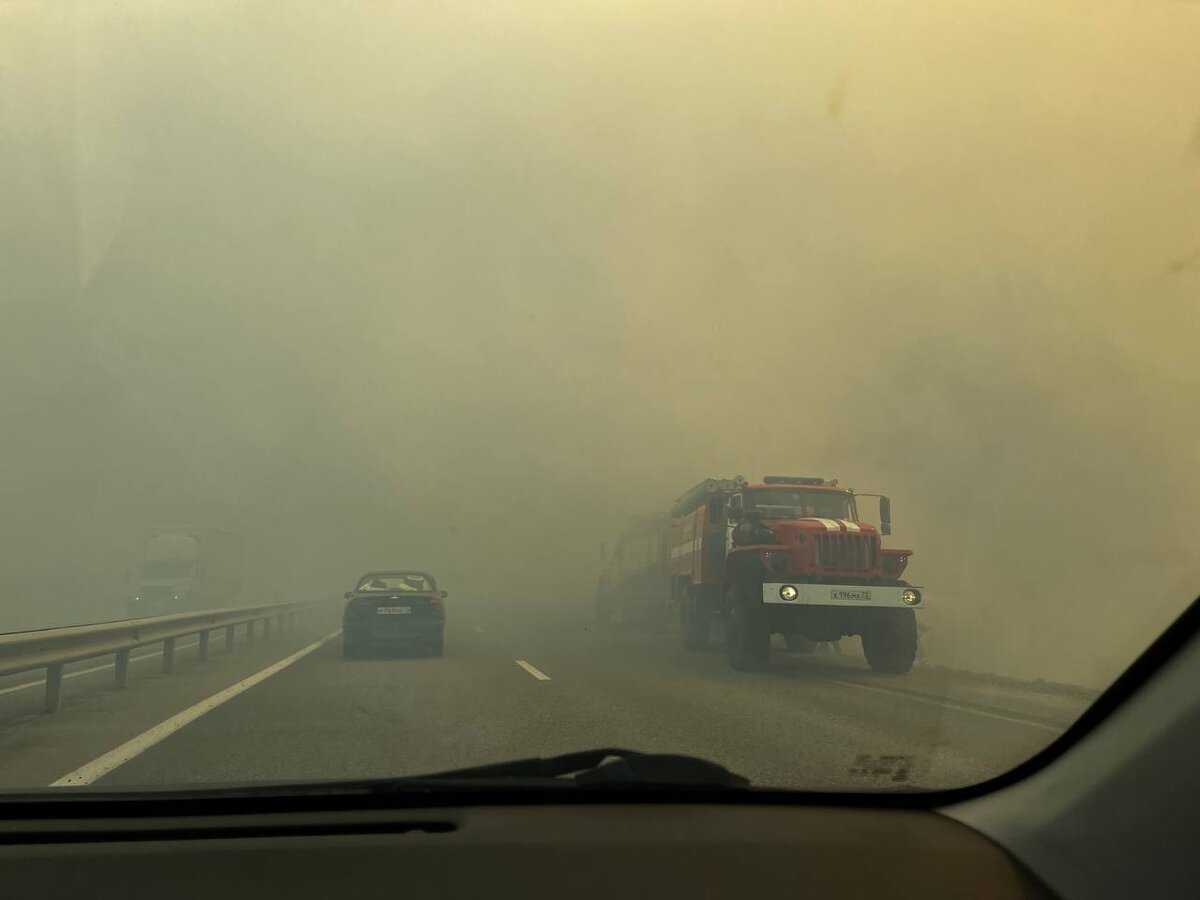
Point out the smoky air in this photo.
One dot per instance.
(465, 290)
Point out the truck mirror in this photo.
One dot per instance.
(885, 515)
(443, 594)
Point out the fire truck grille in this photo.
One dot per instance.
(846, 551)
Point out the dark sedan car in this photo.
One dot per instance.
(394, 609)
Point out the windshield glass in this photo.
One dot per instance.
(796, 504)
(521, 294)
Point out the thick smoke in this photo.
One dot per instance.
(464, 285)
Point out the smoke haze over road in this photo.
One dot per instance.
(463, 286)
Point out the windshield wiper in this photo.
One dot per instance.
(603, 766)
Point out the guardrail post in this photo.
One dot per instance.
(52, 650)
(54, 680)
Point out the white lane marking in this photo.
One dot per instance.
(1045, 726)
(533, 670)
(102, 765)
(93, 670)
(478, 630)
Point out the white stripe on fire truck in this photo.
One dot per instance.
(830, 524)
(850, 526)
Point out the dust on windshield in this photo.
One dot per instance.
(520, 295)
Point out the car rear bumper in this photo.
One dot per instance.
(371, 633)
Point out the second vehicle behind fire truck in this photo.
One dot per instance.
(788, 555)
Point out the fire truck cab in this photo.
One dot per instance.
(789, 555)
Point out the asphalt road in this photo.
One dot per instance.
(510, 688)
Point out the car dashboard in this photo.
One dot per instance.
(575, 851)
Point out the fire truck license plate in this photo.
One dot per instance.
(394, 610)
(851, 596)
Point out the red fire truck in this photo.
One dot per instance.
(788, 555)
(632, 587)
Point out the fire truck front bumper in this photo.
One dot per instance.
(788, 593)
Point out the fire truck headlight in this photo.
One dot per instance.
(911, 596)
(788, 592)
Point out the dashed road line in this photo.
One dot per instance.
(533, 670)
(942, 704)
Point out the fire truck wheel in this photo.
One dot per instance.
(696, 621)
(889, 640)
(747, 637)
(798, 643)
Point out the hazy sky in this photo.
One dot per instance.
(466, 284)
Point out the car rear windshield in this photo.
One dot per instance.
(409, 582)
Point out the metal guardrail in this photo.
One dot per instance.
(55, 648)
